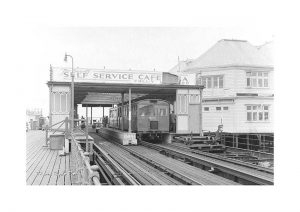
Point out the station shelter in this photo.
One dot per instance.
(107, 87)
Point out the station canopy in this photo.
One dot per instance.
(104, 87)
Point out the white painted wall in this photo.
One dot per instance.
(235, 81)
(56, 117)
(213, 118)
(240, 116)
(235, 119)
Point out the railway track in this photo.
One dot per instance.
(223, 158)
(234, 168)
(180, 170)
(148, 166)
(143, 173)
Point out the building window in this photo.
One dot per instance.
(257, 113)
(208, 82)
(220, 78)
(225, 108)
(182, 106)
(213, 81)
(257, 79)
(206, 108)
(60, 102)
(218, 108)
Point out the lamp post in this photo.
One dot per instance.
(72, 91)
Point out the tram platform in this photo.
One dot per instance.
(47, 167)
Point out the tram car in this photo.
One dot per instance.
(150, 118)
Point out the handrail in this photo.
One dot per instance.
(90, 173)
(58, 127)
(56, 123)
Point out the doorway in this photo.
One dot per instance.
(194, 118)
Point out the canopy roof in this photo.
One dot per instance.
(104, 94)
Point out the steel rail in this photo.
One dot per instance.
(182, 175)
(130, 164)
(186, 179)
(233, 169)
(155, 164)
(120, 170)
(112, 175)
(223, 158)
(143, 172)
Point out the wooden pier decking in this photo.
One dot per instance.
(45, 166)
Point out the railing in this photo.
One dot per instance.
(49, 128)
(85, 173)
(254, 142)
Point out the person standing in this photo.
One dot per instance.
(173, 122)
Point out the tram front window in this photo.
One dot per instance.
(147, 110)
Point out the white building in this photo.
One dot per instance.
(239, 87)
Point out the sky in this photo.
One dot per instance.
(140, 48)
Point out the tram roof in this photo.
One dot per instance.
(83, 89)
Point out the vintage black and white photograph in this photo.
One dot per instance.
(149, 106)
(153, 106)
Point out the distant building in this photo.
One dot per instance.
(32, 117)
(239, 88)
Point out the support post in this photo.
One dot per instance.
(259, 142)
(91, 115)
(200, 112)
(129, 111)
(76, 115)
(122, 112)
(264, 143)
(67, 127)
(233, 140)
(46, 141)
(248, 141)
(51, 103)
(237, 141)
(86, 129)
(72, 100)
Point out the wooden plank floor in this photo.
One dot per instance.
(45, 166)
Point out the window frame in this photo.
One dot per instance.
(213, 81)
(253, 79)
(255, 111)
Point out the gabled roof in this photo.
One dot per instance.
(226, 53)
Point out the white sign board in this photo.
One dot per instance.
(106, 76)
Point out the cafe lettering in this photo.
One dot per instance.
(107, 76)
